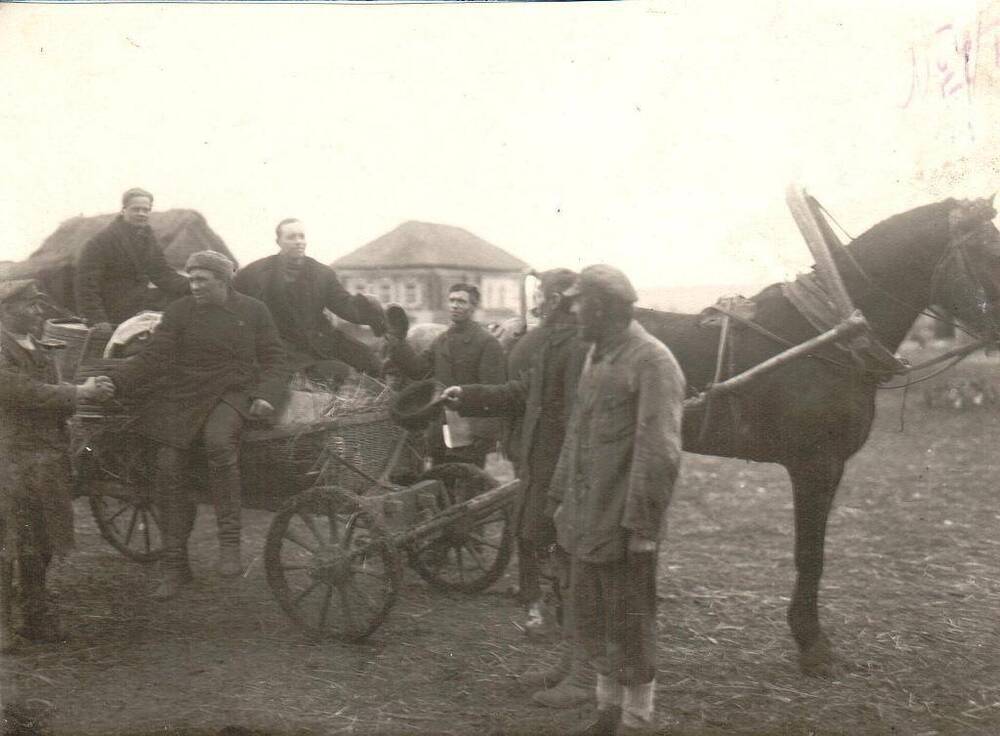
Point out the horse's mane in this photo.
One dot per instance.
(889, 239)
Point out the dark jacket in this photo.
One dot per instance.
(298, 307)
(113, 271)
(464, 353)
(34, 447)
(622, 452)
(203, 355)
(541, 398)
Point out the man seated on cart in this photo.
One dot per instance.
(117, 265)
(221, 364)
(297, 289)
(36, 501)
(465, 353)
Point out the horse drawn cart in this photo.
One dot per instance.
(351, 499)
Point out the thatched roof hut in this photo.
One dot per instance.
(179, 232)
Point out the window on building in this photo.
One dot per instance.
(411, 294)
(385, 292)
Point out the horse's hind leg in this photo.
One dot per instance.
(814, 483)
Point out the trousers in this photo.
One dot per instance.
(614, 606)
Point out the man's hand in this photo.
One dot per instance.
(96, 388)
(261, 408)
(452, 396)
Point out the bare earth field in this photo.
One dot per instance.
(911, 598)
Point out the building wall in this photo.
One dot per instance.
(423, 292)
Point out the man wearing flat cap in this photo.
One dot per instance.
(297, 289)
(610, 491)
(220, 363)
(36, 501)
(115, 267)
(544, 366)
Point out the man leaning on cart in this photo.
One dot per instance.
(220, 363)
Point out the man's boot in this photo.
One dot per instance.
(179, 514)
(545, 676)
(576, 688)
(609, 709)
(41, 624)
(637, 710)
(225, 482)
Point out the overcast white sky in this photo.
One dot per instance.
(655, 136)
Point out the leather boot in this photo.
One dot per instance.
(225, 483)
(178, 519)
(576, 688)
(546, 676)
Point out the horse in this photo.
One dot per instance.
(813, 413)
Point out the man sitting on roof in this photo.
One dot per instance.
(115, 267)
(297, 288)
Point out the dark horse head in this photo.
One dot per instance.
(945, 254)
(812, 413)
(966, 281)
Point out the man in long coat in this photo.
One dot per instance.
(465, 353)
(220, 363)
(115, 267)
(611, 489)
(36, 502)
(297, 288)
(539, 400)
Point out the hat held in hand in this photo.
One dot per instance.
(416, 405)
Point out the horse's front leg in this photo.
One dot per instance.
(814, 483)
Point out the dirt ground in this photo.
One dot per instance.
(911, 597)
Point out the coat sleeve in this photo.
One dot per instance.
(274, 371)
(17, 389)
(495, 400)
(87, 281)
(413, 366)
(156, 359)
(656, 453)
(160, 273)
(492, 363)
(356, 308)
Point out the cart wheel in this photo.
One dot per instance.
(119, 483)
(331, 567)
(471, 553)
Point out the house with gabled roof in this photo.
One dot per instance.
(415, 264)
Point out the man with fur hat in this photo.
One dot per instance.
(464, 353)
(610, 492)
(297, 289)
(220, 364)
(36, 501)
(115, 267)
(539, 399)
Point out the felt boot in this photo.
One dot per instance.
(545, 676)
(637, 710)
(609, 708)
(576, 688)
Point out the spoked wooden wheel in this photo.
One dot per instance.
(331, 568)
(118, 480)
(472, 552)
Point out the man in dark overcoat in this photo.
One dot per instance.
(115, 267)
(611, 489)
(36, 501)
(539, 399)
(221, 364)
(297, 288)
(465, 353)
